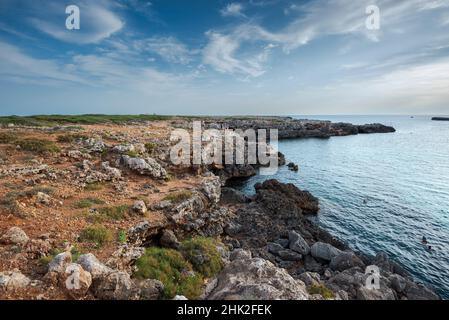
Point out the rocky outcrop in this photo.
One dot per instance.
(147, 166)
(13, 280)
(289, 128)
(14, 235)
(247, 278)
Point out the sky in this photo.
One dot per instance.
(205, 57)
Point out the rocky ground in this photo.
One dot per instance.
(98, 212)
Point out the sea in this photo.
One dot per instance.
(380, 192)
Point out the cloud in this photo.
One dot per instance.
(97, 23)
(168, 48)
(89, 70)
(220, 51)
(313, 20)
(232, 10)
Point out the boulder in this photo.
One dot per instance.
(95, 145)
(274, 248)
(249, 278)
(297, 243)
(14, 235)
(417, 291)
(139, 206)
(231, 195)
(116, 286)
(324, 251)
(169, 240)
(398, 283)
(345, 260)
(13, 280)
(289, 255)
(111, 172)
(60, 262)
(124, 257)
(384, 293)
(76, 281)
(310, 278)
(43, 198)
(92, 265)
(147, 166)
(150, 289)
(211, 188)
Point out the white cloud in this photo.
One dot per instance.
(16, 65)
(97, 23)
(233, 10)
(315, 19)
(168, 48)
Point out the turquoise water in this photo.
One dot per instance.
(381, 192)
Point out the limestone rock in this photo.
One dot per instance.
(14, 235)
(324, 251)
(13, 280)
(256, 278)
(297, 243)
(76, 281)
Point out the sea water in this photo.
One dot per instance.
(381, 192)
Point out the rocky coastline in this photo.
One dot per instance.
(290, 128)
(178, 232)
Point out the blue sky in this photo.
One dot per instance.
(224, 57)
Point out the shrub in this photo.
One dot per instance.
(44, 261)
(179, 196)
(202, 253)
(88, 202)
(122, 237)
(7, 137)
(71, 137)
(132, 154)
(94, 186)
(172, 269)
(37, 145)
(150, 146)
(108, 214)
(321, 289)
(96, 234)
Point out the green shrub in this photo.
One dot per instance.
(94, 186)
(88, 202)
(150, 147)
(71, 137)
(109, 213)
(122, 237)
(132, 154)
(179, 196)
(96, 234)
(172, 269)
(321, 289)
(8, 137)
(44, 261)
(202, 253)
(37, 145)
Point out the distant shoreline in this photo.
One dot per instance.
(440, 119)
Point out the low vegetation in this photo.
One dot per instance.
(150, 147)
(88, 203)
(172, 269)
(321, 289)
(28, 144)
(71, 137)
(109, 213)
(9, 202)
(97, 234)
(52, 120)
(202, 253)
(44, 261)
(179, 196)
(37, 145)
(95, 186)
